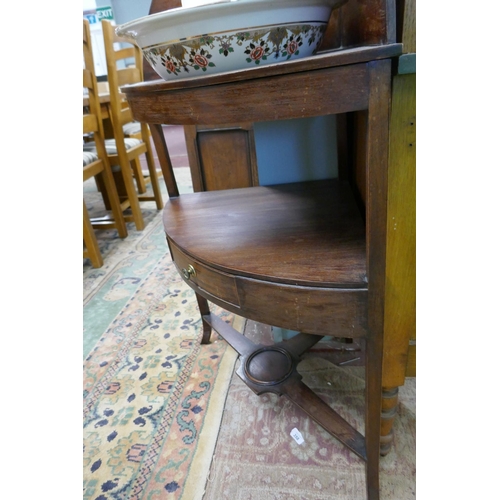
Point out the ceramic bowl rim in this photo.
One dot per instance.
(162, 20)
(251, 29)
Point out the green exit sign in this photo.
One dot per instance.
(104, 13)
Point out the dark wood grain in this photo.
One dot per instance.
(300, 95)
(302, 396)
(299, 255)
(367, 22)
(237, 341)
(313, 310)
(358, 127)
(302, 234)
(164, 159)
(327, 59)
(224, 167)
(274, 369)
(377, 141)
(321, 311)
(204, 308)
(222, 156)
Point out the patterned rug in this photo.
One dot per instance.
(127, 262)
(257, 459)
(153, 396)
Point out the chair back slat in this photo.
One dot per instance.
(128, 75)
(124, 53)
(87, 79)
(119, 39)
(118, 77)
(92, 120)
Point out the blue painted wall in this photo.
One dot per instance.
(296, 150)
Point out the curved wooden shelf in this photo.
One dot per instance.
(325, 59)
(306, 234)
(299, 246)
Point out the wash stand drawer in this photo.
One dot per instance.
(213, 282)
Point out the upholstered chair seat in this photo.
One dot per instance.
(131, 128)
(89, 157)
(110, 145)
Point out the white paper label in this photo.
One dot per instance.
(297, 436)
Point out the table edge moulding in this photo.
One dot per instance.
(305, 256)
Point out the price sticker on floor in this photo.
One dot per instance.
(297, 436)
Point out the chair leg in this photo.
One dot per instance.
(114, 202)
(93, 252)
(373, 409)
(127, 182)
(204, 311)
(389, 411)
(102, 189)
(138, 175)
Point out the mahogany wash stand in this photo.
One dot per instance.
(308, 256)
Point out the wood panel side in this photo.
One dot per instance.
(300, 308)
(332, 38)
(377, 139)
(367, 22)
(225, 156)
(222, 157)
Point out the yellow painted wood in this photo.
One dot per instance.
(409, 27)
(128, 159)
(411, 365)
(99, 169)
(91, 250)
(400, 308)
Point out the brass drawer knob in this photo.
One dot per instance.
(189, 272)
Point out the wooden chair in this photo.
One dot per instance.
(131, 138)
(97, 164)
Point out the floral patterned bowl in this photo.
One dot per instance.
(229, 35)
